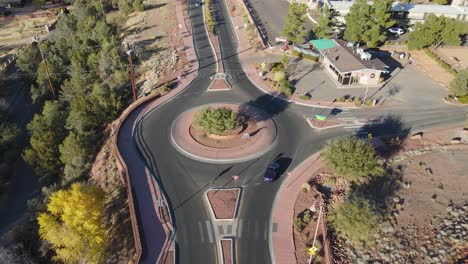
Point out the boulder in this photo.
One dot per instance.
(455, 140)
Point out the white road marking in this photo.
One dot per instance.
(239, 228)
(256, 229)
(210, 234)
(201, 232)
(265, 232)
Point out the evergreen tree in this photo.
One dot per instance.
(459, 85)
(294, 27)
(352, 157)
(323, 29)
(357, 21)
(379, 22)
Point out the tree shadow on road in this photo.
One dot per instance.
(391, 131)
(271, 106)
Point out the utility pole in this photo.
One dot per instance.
(46, 68)
(132, 76)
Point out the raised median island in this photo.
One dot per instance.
(224, 202)
(223, 133)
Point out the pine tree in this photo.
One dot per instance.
(323, 28)
(357, 21)
(294, 26)
(379, 23)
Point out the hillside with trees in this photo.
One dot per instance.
(80, 82)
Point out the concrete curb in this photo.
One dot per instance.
(220, 248)
(190, 155)
(210, 208)
(321, 128)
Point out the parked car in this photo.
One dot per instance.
(398, 31)
(271, 172)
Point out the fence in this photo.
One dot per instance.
(258, 25)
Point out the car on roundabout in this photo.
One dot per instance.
(271, 172)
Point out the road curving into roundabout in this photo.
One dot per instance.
(184, 179)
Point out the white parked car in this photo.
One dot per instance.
(398, 31)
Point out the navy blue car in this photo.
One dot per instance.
(271, 172)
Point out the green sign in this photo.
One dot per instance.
(320, 117)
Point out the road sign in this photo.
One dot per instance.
(289, 174)
(320, 117)
(245, 136)
(235, 177)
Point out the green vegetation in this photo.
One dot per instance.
(90, 86)
(294, 27)
(352, 157)
(463, 99)
(355, 219)
(217, 121)
(279, 76)
(435, 31)
(305, 97)
(323, 29)
(442, 63)
(368, 23)
(210, 22)
(459, 86)
(304, 56)
(286, 87)
(74, 224)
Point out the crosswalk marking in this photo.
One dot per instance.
(210, 234)
(202, 236)
(239, 228)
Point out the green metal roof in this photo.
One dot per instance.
(321, 44)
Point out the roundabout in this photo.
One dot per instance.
(254, 134)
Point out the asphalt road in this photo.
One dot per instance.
(184, 180)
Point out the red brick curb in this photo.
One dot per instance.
(281, 241)
(263, 141)
(183, 83)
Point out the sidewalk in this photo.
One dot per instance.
(152, 224)
(246, 52)
(281, 242)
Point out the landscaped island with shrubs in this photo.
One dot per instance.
(218, 121)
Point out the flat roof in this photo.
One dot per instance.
(321, 44)
(345, 59)
(411, 8)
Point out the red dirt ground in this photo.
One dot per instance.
(226, 246)
(223, 203)
(304, 239)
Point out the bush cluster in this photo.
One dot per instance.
(217, 121)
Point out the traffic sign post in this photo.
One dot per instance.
(235, 177)
(245, 136)
(320, 117)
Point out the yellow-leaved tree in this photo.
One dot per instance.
(74, 224)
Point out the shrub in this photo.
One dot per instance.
(463, 99)
(459, 86)
(217, 121)
(369, 102)
(297, 224)
(277, 66)
(306, 217)
(166, 88)
(138, 6)
(341, 99)
(354, 219)
(286, 88)
(305, 187)
(352, 157)
(279, 76)
(357, 102)
(305, 97)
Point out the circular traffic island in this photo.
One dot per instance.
(223, 133)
